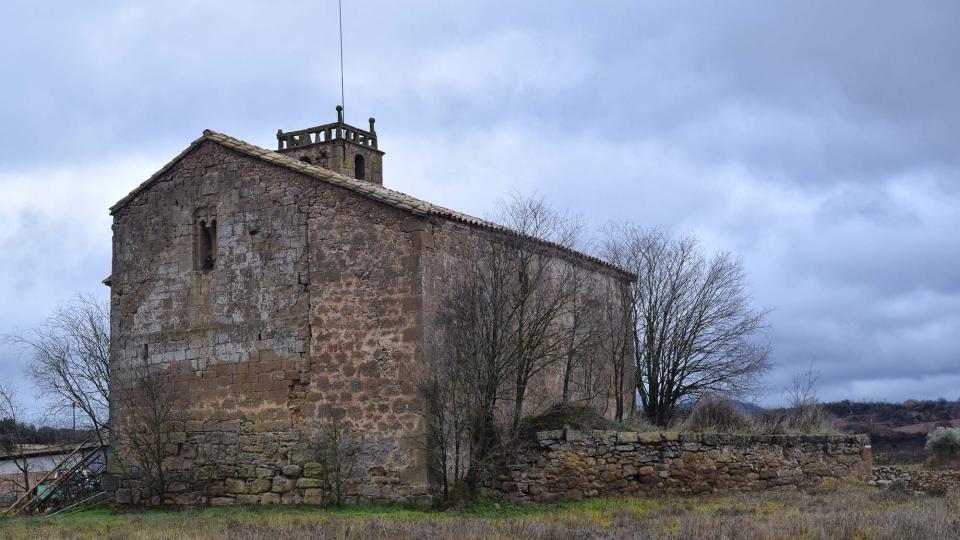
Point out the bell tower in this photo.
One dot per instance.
(337, 146)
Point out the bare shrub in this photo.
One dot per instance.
(445, 424)
(944, 446)
(806, 414)
(337, 450)
(772, 422)
(641, 423)
(717, 415)
(149, 409)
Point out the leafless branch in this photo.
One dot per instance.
(148, 410)
(695, 332)
(71, 360)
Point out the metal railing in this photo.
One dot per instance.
(73, 478)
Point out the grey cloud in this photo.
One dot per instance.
(816, 139)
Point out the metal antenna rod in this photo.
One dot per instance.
(340, 12)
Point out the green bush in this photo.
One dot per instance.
(944, 445)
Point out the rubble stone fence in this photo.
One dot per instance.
(572, 465)
(918, 480)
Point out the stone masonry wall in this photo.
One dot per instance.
(312, 313)
(572, 465)
(452, 246)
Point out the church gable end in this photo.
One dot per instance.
(269, 303)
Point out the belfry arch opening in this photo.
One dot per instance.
(359, 167)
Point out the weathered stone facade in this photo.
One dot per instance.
(572, 465)
(269, 296)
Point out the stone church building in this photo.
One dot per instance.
(271, 290)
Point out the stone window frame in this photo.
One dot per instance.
(205, 240)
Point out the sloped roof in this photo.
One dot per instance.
(366, 189)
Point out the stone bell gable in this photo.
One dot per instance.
(337, 146)
(270, 295)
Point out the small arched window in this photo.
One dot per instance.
(306, 160)
(359, 167)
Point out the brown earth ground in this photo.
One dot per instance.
(837, 511)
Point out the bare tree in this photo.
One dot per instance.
(71, 360)
(444, 415)
(476, 331)
(13, 439)
(520, 307)
(695, 332)
(493, 333)
(582, 329)
(539, 290)
(148, 410)
(615, 331)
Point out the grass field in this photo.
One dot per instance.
(843, 512)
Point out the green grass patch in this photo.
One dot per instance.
(846, 512)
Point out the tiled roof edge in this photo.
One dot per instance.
(373, 191)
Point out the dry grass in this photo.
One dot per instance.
(844, 512)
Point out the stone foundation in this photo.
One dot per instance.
(572, 465)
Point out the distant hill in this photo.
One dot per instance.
(898, 431)
(749, 408)
(914, 415)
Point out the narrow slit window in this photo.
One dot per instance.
(359, 168)
(206, 244)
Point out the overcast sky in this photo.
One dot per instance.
(816, 139)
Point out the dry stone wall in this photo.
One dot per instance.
(919, 480)
(572, 465)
